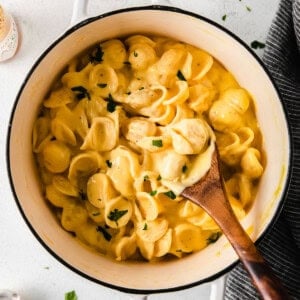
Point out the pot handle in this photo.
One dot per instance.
(79, 11)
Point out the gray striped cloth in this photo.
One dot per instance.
(281, 246)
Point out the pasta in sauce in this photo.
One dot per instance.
(126, 128)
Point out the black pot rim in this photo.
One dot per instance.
(27, 78)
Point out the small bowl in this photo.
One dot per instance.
(143, 277)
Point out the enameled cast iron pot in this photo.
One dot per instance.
(145, 277)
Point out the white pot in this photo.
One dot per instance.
(143, 277)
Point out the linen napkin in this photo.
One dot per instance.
(281, 246)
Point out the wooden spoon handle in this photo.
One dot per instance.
(262, 276)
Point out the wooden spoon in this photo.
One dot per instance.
(209, 194)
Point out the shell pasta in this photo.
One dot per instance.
(130, 124)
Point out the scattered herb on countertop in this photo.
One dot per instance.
(97, 55)
(248, 8)
(81, 92)
(71, 295)
(157, 143)
(116, 214)
(257, 45)
(224, 17)
(105, 233)
(170, 194)
(213, 238)
(180, 76)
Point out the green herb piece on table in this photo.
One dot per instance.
(170, 194)
(213, 238)
(81, 92)
(105, 233)
(257, 45)
(224, 17)
(157, 143)
(248, 8)
(71, 295)
(116, 214)
(180, 76)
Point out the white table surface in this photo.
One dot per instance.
(25, 266)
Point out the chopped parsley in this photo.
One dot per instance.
(180, 76)
(141, 88)
(105, 233)
(102, 85)
(81, 92)
(257, 45)
(224, 17)
(128, 93)
(111, 104)
(170, 194)
(108, 163)
(153, 193)
(248, 8)
(145, 226)
(146, 177)
(184, 168)
(213, 238)
(82, 196)
(116, 214)
(95, 214)
(71, 295)
(135, 54)
(97, 55)
(158, 178)
(157, 143)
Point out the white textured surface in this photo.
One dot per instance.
(25, 266)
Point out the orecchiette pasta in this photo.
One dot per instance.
(127, 127)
